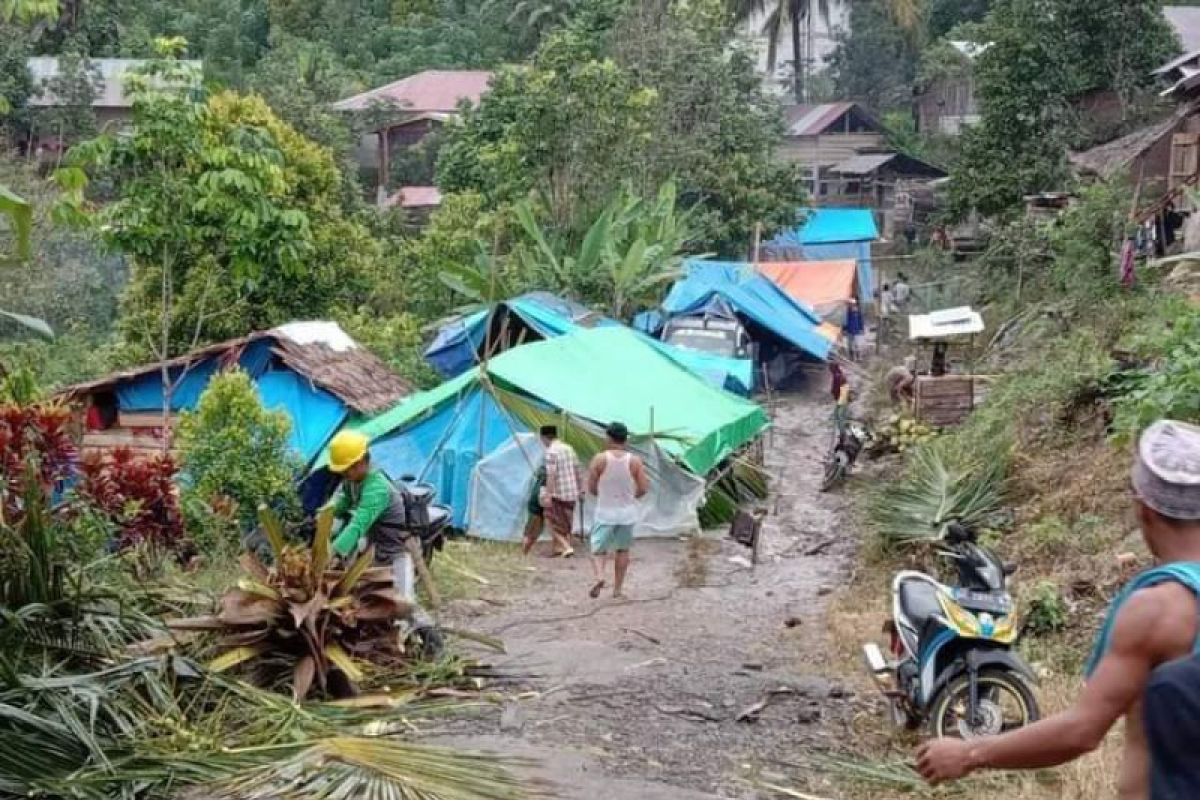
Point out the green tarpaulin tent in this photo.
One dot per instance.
(601, 375)
(609, 374)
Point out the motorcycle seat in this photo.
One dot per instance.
(919, 602)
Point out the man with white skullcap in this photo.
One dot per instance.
(1155, 621)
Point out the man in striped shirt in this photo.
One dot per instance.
(564, 486)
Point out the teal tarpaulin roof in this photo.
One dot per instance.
(825, 225)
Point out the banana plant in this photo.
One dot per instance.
(20, 213)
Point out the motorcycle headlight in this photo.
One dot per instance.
(964, 621)
(1007, 629)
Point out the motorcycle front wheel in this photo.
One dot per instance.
(835, 471)
(1005, 703)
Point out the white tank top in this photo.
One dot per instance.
(616, 491)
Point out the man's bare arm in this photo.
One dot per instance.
(1117, 683)
(595, 470)
(640, 478)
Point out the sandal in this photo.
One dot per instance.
(595, 592)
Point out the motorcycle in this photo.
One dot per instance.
(953, 666)
(427, 520)
(854, 438)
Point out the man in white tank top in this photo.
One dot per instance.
(617, 479)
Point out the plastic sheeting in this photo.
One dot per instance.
(145, 392)
(739, 288)
(503, 482)
(833, 234)
(611, 374)
(456, 347)
(824, 286)
(314, 412)
(444, 447)
(825, 225)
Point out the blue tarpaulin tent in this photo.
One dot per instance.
(731, 287)
(439, 436)
(541, 315)
(832, 234)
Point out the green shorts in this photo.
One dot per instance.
(611, 538)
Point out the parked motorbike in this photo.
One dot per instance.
(427, 520)
(953, 666)
(854, 438)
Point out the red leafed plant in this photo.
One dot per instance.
(33, 436)
(136, 493)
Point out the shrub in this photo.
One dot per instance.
(1046, 610)
(32, 437)
(233, 450)
(136, 496)
(1170, 388)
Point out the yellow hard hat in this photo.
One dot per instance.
(346, 450)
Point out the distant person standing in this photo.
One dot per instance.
(563, 488)
(901, 292)
(837, 379)
(854, 328)
(617, 479)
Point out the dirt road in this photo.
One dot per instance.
(640, 700)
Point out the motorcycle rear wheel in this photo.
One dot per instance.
(999, 691)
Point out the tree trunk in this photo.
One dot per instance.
(797, 51)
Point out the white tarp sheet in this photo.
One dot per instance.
(502, 482)
(960, 321)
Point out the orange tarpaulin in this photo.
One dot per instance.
(824, 286)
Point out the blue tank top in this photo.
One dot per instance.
(1186, 573)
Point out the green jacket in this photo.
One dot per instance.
(368, 504)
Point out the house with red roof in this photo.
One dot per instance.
(403, 113)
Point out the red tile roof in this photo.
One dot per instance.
(813, 120)
(430, 91)
(416, 197)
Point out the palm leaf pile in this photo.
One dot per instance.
(934, 491)
(82, 718)
(149, 728)
(303, 622)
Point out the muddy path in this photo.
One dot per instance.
(642, 698)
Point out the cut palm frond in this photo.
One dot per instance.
(933, 492)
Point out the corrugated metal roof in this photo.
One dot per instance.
(863, 164)
(432, 90)
(813, 120)
(1186, 22)
(111, 89)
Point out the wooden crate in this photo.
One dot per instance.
(944, 401)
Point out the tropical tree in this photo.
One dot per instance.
(793, 15)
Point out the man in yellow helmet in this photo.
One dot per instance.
(371, 506)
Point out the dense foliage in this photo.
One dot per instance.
(648, 92)
(135, 495)
(231, 217)
(1043, 58)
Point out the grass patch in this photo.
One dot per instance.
(471, 569)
